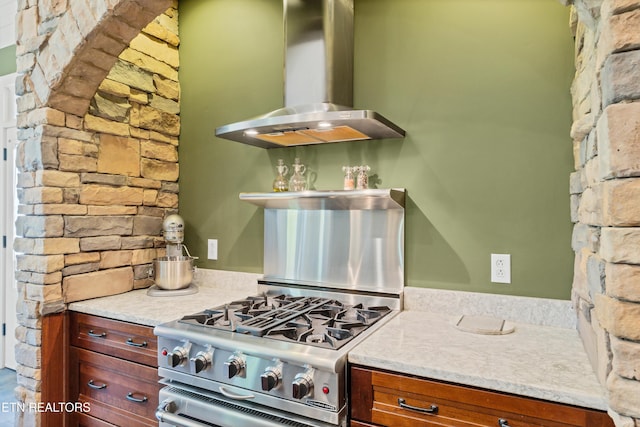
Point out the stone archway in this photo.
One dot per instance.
(97, 161)
(75, 57)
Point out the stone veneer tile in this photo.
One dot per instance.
(100, 243)
(167, 200)
(623, 395)
(97, 284)
(623, 281)
(619, 82)
(40, 226)
(107, 195)
(50, 246)
(618, 317)
(51, 178)
(98, 124)
(619, 140)
(81, 258)
(118, 155)
(111, 259)
(620, 244)
(80, 163)
(626, 358)
(59, 209)
(89, 226)
(137, 242)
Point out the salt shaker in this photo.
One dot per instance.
(349, 181)
(362, 181)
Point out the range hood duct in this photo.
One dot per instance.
(318, 92)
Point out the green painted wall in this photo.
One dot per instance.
(482, 89)
(7, 60)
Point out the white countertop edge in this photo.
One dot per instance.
(543, 362)
(140, 320)
(569, 397)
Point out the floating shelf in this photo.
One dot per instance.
(371, 199)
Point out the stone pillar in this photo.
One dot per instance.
(98, 126)
(605, 196)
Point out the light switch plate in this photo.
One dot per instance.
(212, 249)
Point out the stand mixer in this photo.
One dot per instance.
(173, 233)
(173, 273)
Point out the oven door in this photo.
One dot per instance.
(186, 406)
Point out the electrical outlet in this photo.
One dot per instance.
(501, 268)
(212, 249)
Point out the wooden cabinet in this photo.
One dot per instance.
(113, 369)
(390, 399)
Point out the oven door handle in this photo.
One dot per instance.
(230, 395)
(164, 414)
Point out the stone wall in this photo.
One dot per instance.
(98, 126)
(605, 196)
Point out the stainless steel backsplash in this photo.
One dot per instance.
(345, 249)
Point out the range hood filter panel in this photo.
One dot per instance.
(305, 128)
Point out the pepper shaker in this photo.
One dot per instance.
(362, 181)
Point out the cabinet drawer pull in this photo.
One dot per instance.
(503, 423)
(95, 386)
(433, 409)
(132, 398)
(96, 335)
(131, 342)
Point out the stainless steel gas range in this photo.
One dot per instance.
(275, 356)
(279, 357)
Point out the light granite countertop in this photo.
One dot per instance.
(214, 288)
(543, 358)
(539, 361)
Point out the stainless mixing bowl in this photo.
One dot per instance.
(174, 272)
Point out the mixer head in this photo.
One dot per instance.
(173, 229)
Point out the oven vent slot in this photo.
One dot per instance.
(218, 402)
(197, 420)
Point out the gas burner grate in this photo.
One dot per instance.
(329, 326)
(261, 324)
(316, 321)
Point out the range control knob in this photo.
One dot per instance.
(201, 361)
(270, 378)
(302, 385)
(177, 356)
(235, 365)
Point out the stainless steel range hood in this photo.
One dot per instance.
(318, 93)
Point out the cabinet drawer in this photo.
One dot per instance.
(399, 400)
(118, 391)
(115, 338)
(84, 420)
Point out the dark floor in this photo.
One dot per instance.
(7, 384)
